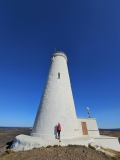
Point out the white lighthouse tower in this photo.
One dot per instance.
(57, 104)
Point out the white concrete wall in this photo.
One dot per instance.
(57, 104)
(24, 142)
(108, 142)
(91, 127)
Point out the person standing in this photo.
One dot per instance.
(58, 130)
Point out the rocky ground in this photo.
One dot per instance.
(50, 153)
(58, 153)
(7, 136)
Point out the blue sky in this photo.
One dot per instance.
(87, 31)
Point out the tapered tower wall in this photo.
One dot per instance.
(57, 104)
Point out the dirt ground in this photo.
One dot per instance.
(50, 153)
(58, 153)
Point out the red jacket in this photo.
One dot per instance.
(58, 128)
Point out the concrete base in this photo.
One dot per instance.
(108, 142)
(25, 142)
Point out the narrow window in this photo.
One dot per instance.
(58, 75)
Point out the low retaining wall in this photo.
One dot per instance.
(108, 142)
(24, 142)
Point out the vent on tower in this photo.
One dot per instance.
(58, 75)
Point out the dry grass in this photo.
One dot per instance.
(10, 151)
(110, 133)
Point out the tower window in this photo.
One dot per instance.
(58, 75)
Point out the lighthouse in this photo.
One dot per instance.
(57, 103)
(57, 106)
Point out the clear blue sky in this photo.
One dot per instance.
(88, 31)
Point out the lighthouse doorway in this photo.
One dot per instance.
(84, 128)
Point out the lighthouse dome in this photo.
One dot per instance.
(60, 53)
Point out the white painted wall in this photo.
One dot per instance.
(91, 127)
(57, 104)
(25, 142)
(108, 142)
